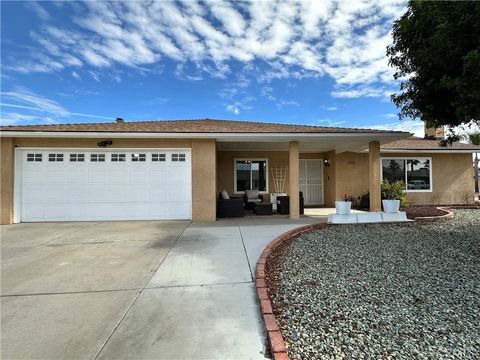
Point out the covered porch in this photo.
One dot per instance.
(321, 168)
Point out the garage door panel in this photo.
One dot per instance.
(97, 193)
(73, 189)
(77, 174)
(117, 193)
(118, 174)
(138, 175)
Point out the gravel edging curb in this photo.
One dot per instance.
(275, 338)
(448, 213)
(447, 216)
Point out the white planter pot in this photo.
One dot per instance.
(343, 207)
(391, 206)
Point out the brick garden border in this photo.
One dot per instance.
(275, 338)
(448, 214)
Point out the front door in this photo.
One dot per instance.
(311, 181)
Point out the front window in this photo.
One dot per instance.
(251, 175)
(415, 172)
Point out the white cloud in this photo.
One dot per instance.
(295, 39)
(389, 116)
(24, 98)
(76, 75)
(330, 122)
(415, 127)
(233, 109)
(38, 9)
(267, 92)
(156, 101)
(21, 98)
(329, 108)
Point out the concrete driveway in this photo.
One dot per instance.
(139, 289)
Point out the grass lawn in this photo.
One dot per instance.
(381, 291)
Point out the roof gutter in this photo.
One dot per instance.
(219, 136)
(435, 151)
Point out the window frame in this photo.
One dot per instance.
(406, 158)
(235, 174)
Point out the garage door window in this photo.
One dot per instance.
(55, 157)
(34, 157)
(159, 157)
(178, 157)
(118, 157)
(138, 157)
(77, 157)
(97, 157)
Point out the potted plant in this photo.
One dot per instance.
(344, 206)
(393, 196)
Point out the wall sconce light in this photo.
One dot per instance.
(104, 143)
(326, 162)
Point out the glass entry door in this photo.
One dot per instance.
(311, 181)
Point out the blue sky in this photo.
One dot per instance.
(315, 63)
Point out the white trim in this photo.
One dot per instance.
(99, 149)
(438, 151)
(17, 185)
(235, 174)
(409, 158)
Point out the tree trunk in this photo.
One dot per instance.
(476, 172)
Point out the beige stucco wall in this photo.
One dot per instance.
(351, 174)
(203, 167)
(6, 180)
(452, 180)
(329, 179)
(452, 177)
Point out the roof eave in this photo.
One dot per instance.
(424, 151)
(388, 136)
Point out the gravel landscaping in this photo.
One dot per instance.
(381, 291)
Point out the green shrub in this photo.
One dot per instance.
(394, 191)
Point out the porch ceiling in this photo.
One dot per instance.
(309, 145)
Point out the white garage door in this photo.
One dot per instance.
(79, 185)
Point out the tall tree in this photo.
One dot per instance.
(436, 55)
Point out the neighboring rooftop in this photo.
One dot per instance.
(189, 126)
(417, 143)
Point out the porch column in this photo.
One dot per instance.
(294, 179)
(6, 180)
(204, 167)
(374, 175)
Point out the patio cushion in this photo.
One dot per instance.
(251, 194)
(225, 195)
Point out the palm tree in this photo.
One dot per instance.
(473, 138)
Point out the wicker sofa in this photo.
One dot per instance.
(230, 207)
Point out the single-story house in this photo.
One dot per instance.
(175, 169)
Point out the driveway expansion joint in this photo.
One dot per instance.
(275, 338)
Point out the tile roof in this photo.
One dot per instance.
(189, 126)
(417, 143)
